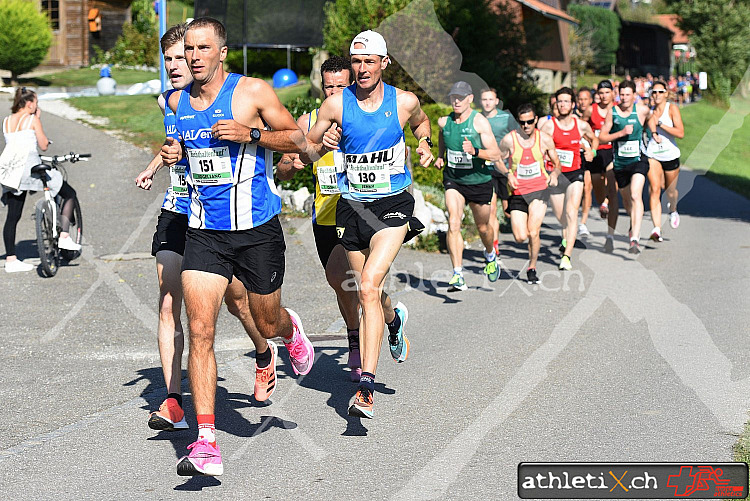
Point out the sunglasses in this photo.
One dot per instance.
(659, 91)
(527, 122)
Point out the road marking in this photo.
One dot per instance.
(143, 313)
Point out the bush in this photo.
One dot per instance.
(297, 108)
(263, 63)
(25, 37)
(604, 26)
(133, 48)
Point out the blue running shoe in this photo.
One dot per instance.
(398, 342)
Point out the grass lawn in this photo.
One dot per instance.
(144, 127)
(88, 77)
(731, 168)
(591, 81)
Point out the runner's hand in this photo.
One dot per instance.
(229, 130)
(292, 159)
(468, 147)
(553, 179)
(512, 181)
(425, 156)
(588, 155)
(170, 151)
(439, 163)
(332, 137)
(145, 179)
(628, 129)
(657, 137)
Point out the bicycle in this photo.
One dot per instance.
(48, 212)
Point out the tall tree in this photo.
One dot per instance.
(604, 26)
(719, 30)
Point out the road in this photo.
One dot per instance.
(622, 359)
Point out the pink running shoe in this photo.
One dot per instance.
(355, 365)
(301, 351)
(204, 459)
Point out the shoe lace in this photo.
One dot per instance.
(365, 395)
(201, 442)
(297, 349)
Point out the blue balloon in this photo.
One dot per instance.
(284, 77)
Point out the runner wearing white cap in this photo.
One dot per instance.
(375, 209)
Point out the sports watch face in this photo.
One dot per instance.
(254, 135)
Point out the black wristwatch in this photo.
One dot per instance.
(254, 135)
(427, 140)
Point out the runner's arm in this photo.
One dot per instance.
(548, 145)
(254, 93)
(604, 135)
(145, 178)
(489, 150)
(290, 163)
(505, 147)
(420, 126)
(588, 133)
(326, 130)
(440, 161)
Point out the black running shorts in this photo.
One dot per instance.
(500, 185)
(475, 193)
(255, 256)
(565, 180)
(326, 239)
(602, 159)
(623, 175)
(357, 222)
(521, 202)
(669, 165)
(170, 232)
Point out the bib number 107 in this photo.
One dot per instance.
(366, 177)
(206, 165)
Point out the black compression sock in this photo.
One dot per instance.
(177, 397)
(263, 359)
(353, 336)
(394, 326)
(367, 381)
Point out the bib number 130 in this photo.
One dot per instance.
(366, 177)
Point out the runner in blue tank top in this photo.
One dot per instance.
(234, 227)
(168, 247)
(623, 127)
(372, 216)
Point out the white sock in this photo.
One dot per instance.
(657, 229)
(458, 270)
(491, 256)
(207, 432)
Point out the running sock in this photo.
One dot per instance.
(177, 397)
(490, 257)
(290, 339)
(367, 380)
(394, 326)
(458, 270)
(564, 243)
(352, 335)
(263, 359)
(206, 428)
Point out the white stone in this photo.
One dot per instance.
(298, 198)
(438, 216)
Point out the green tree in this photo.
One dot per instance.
(490, 42)
(719, 30)
(25, 37)
(604, 26)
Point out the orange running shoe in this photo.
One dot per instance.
(169, 417)
(362, 404)
(265, 378)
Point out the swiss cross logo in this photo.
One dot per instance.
(692, 479)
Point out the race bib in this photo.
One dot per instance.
(662, 147)
(327, 181)
(177, 180)
(210, 166)
(629, 149)
(459, 160)
(529, 171)
(370, 173)
(596, 132)
(566, 157)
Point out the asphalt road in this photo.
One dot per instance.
(622, 359)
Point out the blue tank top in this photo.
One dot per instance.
(231, 184)
(374, 149)
(177, 198)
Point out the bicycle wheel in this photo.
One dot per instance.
(76, 232)
(45, 240)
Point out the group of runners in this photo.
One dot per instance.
(218, 237)
(219, 240)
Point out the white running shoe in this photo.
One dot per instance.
(67, 243)
(17, 265)
(674, 219)
(583, 231)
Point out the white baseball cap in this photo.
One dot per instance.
(373, 42)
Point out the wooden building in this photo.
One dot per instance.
(79, 25)
(550, 23)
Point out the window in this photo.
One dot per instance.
(52, 9)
